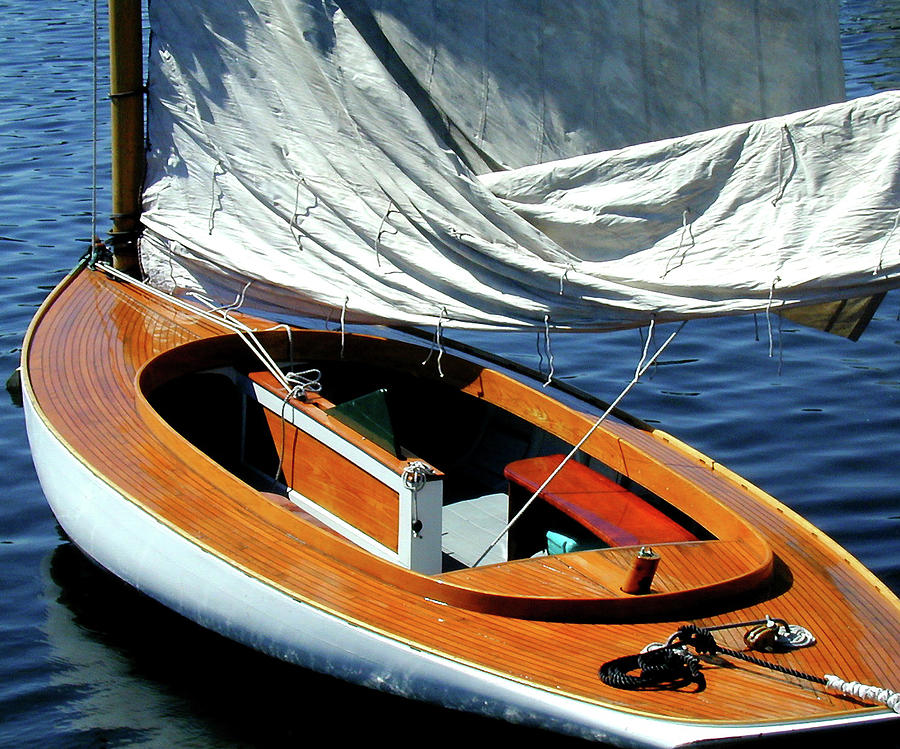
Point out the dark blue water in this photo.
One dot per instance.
(84, 662)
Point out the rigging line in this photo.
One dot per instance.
(300, 383)
(643, 365)
(244, 332)
(248, 336)
(95, 82)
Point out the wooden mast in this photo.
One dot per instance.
(127, 124)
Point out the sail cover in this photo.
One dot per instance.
(511, 163)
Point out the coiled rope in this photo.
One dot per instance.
(672, 665)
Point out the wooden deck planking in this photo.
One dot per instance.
(96, 414)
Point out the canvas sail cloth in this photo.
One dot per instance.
(331, 158)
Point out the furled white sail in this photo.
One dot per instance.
(332, 158)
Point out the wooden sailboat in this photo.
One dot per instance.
(435, 525)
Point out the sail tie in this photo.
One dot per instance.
(784, 180)
(548, 350)
(887, 240)
(683, 247)
(643, 365)
(436, 343)
(769, 316)
(344, 323)
(564, 276)
(296, 231)
(382, 228)
(215, 204)
(290, 338)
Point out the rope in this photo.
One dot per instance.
(436, 343)
(884, 247)
(307, 381)
(245, 333)
(783, 180)
(344, 323)
(643, 365)
(94, 139)
(549, 350)
(671, 665)
(213, 198)
(887, 697)
(682, 248)
(296, 219)
(381, 230)
(672, 662)
(563, 278)
(769, 316)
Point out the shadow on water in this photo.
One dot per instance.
(158, 679)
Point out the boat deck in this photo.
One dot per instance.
(82, 358)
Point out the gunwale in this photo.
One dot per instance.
(91, 410)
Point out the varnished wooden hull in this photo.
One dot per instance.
(165, 518)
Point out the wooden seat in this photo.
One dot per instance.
(612, 513)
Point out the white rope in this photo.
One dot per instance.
(436, 343)
(887, 697)
(643, 365)
(563, 277)
(682, 249)
(233, 326)
(290, 337)
(226, 308)
(344, 323)
(548, 349)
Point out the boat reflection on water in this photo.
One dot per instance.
(130, 672)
